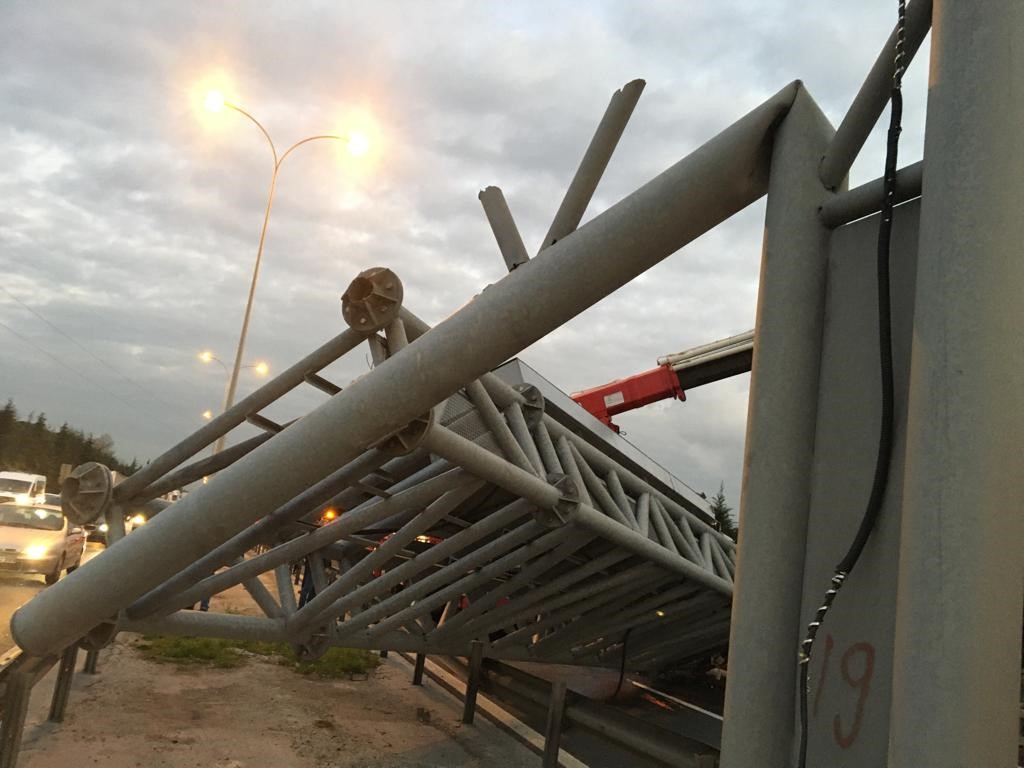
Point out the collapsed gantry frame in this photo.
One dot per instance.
(560, 503)
(559, 547)
(666, 563)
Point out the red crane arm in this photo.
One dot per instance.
(632, 392)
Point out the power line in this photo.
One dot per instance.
(88, 351)
(64, 364)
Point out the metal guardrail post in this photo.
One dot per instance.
(91, 660)
(417, 672)
(476, 663)
(62, 688)
(553, 730)
(15, 707)
(665, 747)
(18, 674)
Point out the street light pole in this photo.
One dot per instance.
(214, 102)
(260, 367)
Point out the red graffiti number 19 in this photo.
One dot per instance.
(856, 668)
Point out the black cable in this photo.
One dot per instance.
(88, 351)
(622, 663)
(885, 436)
(64, 364)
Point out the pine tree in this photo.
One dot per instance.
(60, 449)
(31, 446)
(723, 514)
(7, 418)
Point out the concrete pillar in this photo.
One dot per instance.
(761, 699)
(958, 626)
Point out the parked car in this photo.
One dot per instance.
(97, 532)
(38, 539)
(22, 487)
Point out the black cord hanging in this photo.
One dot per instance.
(885, 436)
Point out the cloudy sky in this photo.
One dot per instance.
(130, 217)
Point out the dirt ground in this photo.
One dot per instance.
(139, 713)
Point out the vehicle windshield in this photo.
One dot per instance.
(14, 486)
(31, 517)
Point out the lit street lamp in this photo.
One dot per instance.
(357, 145)
(260, 368)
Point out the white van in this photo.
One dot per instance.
(22, 488)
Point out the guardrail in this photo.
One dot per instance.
(19, 674)
(504, 683)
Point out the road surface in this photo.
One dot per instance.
(16, 589)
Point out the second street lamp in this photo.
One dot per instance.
(260, 368)
(357, 145)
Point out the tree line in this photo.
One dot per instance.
(29, 445)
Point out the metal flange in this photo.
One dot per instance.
(565, 508)
(315, 646)
(99, 637)
(86, 492)
(533, 407)
(408, 438)
(372, 300)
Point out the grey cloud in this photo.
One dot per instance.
(141, 242)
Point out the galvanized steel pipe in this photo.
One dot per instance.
(957, 650)
(760, 700)
(867, 198)
(715, 181)
(874, 94)
(220, 425)
(595, 160)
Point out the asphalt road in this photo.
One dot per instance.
(15, 591)
(18, 589)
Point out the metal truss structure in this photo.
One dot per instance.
(451, 482)
(558, 548)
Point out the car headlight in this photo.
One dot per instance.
(36, 551)
(138, 520)
(104, 527)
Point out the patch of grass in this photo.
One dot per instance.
(263, 648)
(192, 650)
(226, 654)
(340, 663)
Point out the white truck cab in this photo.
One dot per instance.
(22, 488)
